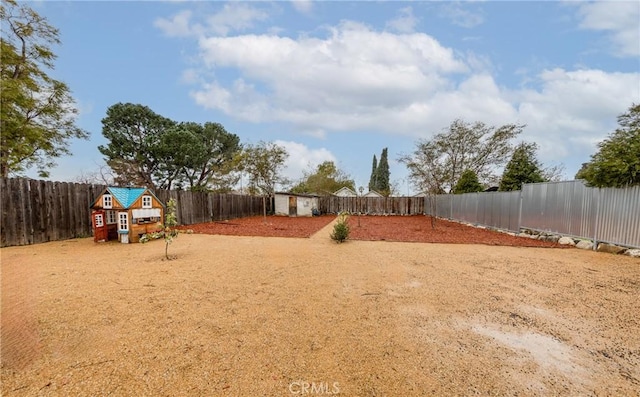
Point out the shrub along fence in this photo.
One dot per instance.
(35, 211)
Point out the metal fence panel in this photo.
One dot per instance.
(618, 216)
(569, 208)
(492, 209)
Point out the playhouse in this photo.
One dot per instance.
(125, 214)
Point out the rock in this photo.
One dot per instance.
(566, 241)
(523, 234)
(633, 252)
(610, 248)
(553, 238)
(585, 245)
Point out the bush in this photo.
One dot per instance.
(341, 229)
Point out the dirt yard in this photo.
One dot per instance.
(248, 316)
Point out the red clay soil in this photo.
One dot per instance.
(417, 228)
(275, 226)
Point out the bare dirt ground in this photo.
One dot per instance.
(247, 316)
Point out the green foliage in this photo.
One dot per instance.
(522, 168)
(468, 183)
(200, 156)
(325, 180)
(382, 175)
(263, 163)
(147, 149)
(37, 113)
(373, 180)
(379, 180)
(436, 165)
(341, 229)
(134, 132)
(617, 162)
(169, 232)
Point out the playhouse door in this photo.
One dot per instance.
(123, 227)
(99, 227)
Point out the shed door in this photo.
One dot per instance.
(293, 206)
(99, 226)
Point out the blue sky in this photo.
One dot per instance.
(342, 80)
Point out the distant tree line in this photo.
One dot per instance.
(147, 149)
(465, 158)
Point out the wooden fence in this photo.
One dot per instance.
(34, 211)
(373, 205)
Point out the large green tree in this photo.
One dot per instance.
(199, 156)
(617, 161)
(373, 179)
(382, 174)
(135, 151)
(436, 164)
(468, 183)
(523, 167)
(37, 112)
(324, 180)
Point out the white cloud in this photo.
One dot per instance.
(177, 26)
(574, 108)
(405, 22)
(235, 17)
(232, 17)
(302, 158)
(337, 83)
(620, 19)
(458, 15)
(405, 84)
(303, 6)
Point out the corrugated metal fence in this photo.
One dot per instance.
(568, 208)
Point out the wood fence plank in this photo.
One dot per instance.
(9, 235)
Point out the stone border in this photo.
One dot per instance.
(581, 243)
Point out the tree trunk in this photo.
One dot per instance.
(264, 208)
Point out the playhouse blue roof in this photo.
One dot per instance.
(126, 195)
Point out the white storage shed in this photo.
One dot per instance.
(291, 204)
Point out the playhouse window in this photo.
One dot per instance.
(146, 201)
(107, 202)
(111, 217)
(99, 221)
(123, 221)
